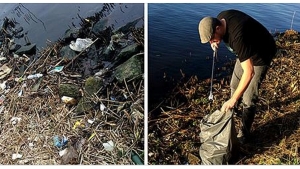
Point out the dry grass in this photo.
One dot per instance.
(174, 132)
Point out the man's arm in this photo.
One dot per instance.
(248, 73)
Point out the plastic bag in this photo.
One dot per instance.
(219, 144)
(80, 44)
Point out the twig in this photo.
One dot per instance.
(128, 90)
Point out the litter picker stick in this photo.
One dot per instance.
(211, 97)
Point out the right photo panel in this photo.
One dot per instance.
(223, 84)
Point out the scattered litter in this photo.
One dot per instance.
(16, 156)
(20, 93)
(125, 95)
(31, 144)
(68, 100)
(15, 120)
(2, 58)
(63, 152)
(102, 107)
(109, 146)
(23, 162)
(91, 121)
(38, 75)
(78, 124)
(70, 156)
(91, 136)
(16, 56)
(3, 85)
(56, 69)
(101, 72)
(2, 98)
(19, 79)
(80, 44)
(4, 71)
(1, 109)
(60, 141)
(136, 159)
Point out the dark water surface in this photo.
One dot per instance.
(50, 20)
(174, 42)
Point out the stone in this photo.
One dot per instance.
(69, 90)
(133, 67)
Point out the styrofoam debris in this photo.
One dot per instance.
(102, 107)
(63, 152)
(16, 156)
(15, 120)
(109, 146)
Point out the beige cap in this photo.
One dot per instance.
(206, 26)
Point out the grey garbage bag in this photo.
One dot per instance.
(219, 144)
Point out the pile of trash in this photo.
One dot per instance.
(80, 100)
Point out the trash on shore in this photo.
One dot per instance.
(64, 102)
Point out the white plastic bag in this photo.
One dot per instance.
(80, 44)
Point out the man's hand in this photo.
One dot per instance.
(214, 46)
(228, 105)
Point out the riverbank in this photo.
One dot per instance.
(80, 100)
(173, 136)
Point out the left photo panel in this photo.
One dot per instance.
(72, 83)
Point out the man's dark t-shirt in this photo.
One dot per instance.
(247, 38)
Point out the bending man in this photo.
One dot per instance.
(254, 47)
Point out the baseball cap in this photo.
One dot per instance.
(206, 28)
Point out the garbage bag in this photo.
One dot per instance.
(219, 144)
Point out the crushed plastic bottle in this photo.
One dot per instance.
(38, 75)
(60, 141)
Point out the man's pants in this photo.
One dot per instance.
(250, 96)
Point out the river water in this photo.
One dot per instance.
(49, 21)
(174, 42)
